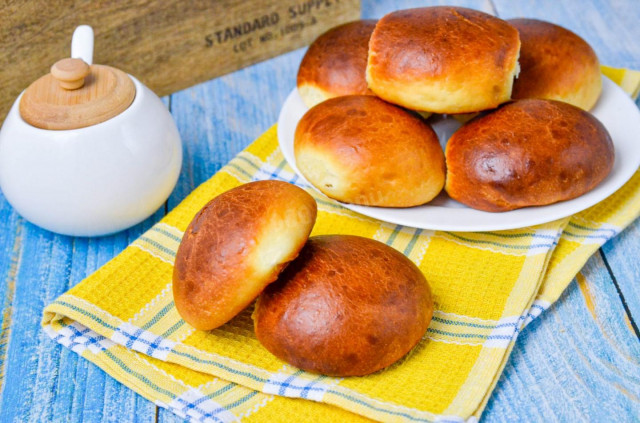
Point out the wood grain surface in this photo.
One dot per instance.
(105, 93)
(167, 44)
(580, 361)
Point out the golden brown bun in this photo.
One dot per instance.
(556, 64)
(443, 59)
(527, 153)
(235, 246)
(335, 63)
(362, 150)
(347, 306)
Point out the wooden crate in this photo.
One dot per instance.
(169, 45)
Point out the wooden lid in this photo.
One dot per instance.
(75, 95)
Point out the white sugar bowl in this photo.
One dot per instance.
(88, 150)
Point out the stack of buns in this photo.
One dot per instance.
(343, 305)
(339, 305)
(361, 141)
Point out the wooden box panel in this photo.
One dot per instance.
(169, 45)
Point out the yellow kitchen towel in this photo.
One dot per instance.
(486, 287)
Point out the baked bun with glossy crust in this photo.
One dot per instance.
(335, 63)
(443, 59)
(347, 306)
(556, 64)
(527, 153)
(363, 150)
(235, 246)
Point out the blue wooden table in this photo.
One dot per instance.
(579, 361)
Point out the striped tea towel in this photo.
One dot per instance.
(486, 287)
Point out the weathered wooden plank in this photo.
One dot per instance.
(35, 280)
(44, 381)
(10, 249)
(623, 256)
(579, 362)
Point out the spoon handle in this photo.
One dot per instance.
(82, 44)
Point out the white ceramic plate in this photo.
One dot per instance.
(614, 109)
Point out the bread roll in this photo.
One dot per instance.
(347, 306)
(362, 150)
(235, 246)
(556, 64)
(443, 59)
(527, 153)
(335, 63)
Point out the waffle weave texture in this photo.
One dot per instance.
(487, 286)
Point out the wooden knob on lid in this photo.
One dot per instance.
(70, 73)
(77, 93)
(67, 98)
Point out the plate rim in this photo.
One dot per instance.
(559, 210)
